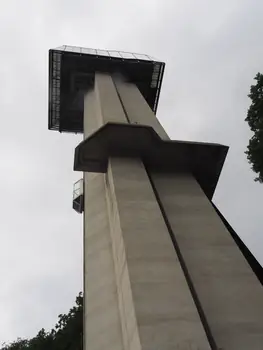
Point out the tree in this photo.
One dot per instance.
(67, 334)
(255, 121)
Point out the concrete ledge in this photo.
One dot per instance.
(204, 160)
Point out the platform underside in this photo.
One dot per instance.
(204, 160)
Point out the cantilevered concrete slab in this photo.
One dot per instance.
(204, 160)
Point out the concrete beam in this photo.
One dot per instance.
(158, 309)
(136, 107)
(102, 323)
(229, 292)
(102, 105)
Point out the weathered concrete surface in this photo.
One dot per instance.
(137, 109)
(154, 297)
(102, 324)
(117, 102)
(125, 298)
(230, 294)
(92, 118)
(135, 293)
(108, 100)
(102, 105)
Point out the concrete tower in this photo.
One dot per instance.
(163, 270)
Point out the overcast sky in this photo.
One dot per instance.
(212, 50)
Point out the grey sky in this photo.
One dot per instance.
(213, 49)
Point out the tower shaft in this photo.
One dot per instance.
(160, 269)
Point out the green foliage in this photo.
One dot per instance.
(255, 121)
(67, 334)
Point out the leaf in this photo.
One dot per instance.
(67, 334)
(254, 119)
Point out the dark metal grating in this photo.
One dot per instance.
(54, 90)
(71, 74)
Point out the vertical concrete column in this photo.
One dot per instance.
(125, 300)
(92, 119)
(102, 323)
(229, 292)
(136, 107)
(102, 105)
(156, 306)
